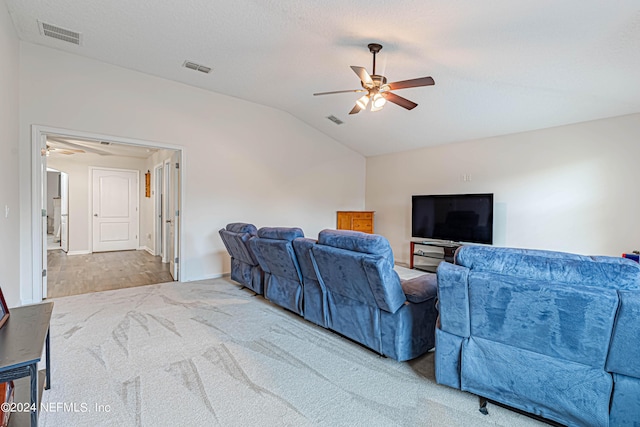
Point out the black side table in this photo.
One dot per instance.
(22, 338)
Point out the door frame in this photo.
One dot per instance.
(39, 163)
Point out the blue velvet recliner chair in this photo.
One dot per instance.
(314, 299)
(365, 299)
(553, 334)
(282, 278)
(244, 266)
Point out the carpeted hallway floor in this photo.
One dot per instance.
(210, 353)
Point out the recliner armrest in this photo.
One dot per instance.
(453, 296)
(421, 288)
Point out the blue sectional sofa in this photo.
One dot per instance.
(244, 265)
(553, 334)
(344, 282)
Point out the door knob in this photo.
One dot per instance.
(95, 214)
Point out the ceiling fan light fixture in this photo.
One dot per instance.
(377, 102)
(362, 102)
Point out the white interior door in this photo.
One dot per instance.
(115, 210)
(175, 206)
(64, 211)
(166, 209)
(159, 225)
(171, 210)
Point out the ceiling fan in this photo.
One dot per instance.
(377, 88)
(66, 146)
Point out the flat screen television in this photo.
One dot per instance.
(453, 217)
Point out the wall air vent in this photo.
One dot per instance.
(335, 120)
(59, 33)
(196, 67)
(105, 143)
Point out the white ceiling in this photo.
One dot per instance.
(63, 146)
(500, 66)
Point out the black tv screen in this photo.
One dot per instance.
(453, 217)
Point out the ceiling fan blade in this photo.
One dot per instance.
(398, 100)
(339, 91)
(85, 148)
(404, 84)
(355, 110)
(365, 78)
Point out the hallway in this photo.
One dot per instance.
(101, 271)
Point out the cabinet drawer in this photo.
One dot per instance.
(362, 225)
(362, 215)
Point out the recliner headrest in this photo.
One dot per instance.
(280, 233)
(354, 241)
(242, 227)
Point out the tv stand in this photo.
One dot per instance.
(430, 254)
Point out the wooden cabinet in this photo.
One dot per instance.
(356, 221)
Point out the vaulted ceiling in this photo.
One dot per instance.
(500, 66)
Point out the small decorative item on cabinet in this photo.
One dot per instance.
(356, 221)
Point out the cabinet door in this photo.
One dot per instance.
(344, 221)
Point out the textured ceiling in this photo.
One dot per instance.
(500, 66)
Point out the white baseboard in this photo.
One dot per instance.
(85, 252)
(145, 248)
(208, 277)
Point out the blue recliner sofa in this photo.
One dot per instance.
(244, 266)
(553, 334)
(365, 299)
(273, 249)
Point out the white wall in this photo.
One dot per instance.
(77, 167)
(9, 185)
(571, 188)
(242, 161)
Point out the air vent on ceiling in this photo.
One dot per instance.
(60, 33)
(196, 67)
(335, 120)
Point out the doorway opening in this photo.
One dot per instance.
(112, 213)
(57, 210)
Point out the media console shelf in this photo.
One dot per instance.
(426, 255)
(22, 339)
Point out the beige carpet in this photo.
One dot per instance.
(210, 353)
